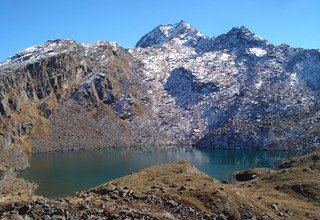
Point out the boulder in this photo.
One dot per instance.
(251, 174)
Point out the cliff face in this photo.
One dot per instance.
(63, 95)
(176, 87)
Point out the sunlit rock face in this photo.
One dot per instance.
(66, 95)
(176, 87)
(233, 91)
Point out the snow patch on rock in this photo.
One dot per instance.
(259, 52)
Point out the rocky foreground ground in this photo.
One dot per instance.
(178, 190)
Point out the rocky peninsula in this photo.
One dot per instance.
(178, 190)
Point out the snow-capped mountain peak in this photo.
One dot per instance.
(239, 38)
(243, 30)
(34, 53)
(181, 33)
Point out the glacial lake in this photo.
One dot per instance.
(60, 174)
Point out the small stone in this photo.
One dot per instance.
(58, 217)
(307, 169)
(168, 215)
(16, 217)
(24, 210)
(46, 217)
(118, 189)
(155, 187)
(83, 207)
(58, 212)
(123, 193)
(85, 195)
(114, 196)
(162, 189)
(2, 174)
(173, 185)
(264, 217)
(171, 203)
(110, 188)
(221, 217)
(281, 214)
(274, 206)
(139, 196)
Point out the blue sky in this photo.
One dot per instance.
(25, 23)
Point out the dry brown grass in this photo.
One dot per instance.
(264, 195)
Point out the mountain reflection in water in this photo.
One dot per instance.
(60, 174)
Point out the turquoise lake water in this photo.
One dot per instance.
(60, 174)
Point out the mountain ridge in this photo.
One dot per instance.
(172, 27)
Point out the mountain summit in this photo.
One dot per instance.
(239, 38)
(181, 33)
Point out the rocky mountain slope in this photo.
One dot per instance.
(235, 91)
(176, 87)
(63, 95)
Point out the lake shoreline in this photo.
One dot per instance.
(56, 172)
(180, 190)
